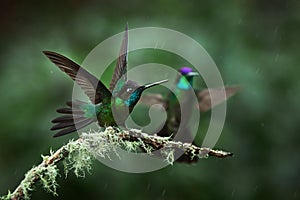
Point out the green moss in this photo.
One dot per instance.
(7, 197)
(168, 154)
(78, 156)
(48, 177)
(79, 159)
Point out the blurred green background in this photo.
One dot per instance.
(254, 43)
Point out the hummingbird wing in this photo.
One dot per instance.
(204, 98)
(93, 88)
(150, 99)
(121, 66)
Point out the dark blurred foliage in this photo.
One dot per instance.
(254, 43)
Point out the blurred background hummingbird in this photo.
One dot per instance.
(180, 104)
(121, 96)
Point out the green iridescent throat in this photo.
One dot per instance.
(185, 83)
(133, 98)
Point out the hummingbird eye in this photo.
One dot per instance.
(129, 90)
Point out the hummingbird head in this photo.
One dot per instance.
(188, 72)
(185, 80)
(131, 92)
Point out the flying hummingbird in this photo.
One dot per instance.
(179, 110)
(121, 96)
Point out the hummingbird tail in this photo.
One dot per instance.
(73, 118)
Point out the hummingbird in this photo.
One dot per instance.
(121, 96)
(179, 110)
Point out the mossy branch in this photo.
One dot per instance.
(78, 155)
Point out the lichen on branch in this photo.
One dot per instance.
(77, 156)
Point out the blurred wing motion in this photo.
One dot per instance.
(93, 88)
(121, 66)
(150, 99)
(204, 97)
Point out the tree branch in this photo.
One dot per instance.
(78, 156)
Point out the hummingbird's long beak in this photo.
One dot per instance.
(149, 85)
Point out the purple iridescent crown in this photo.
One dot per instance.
(185, 70)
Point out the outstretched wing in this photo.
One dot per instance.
(204, 98)
(93, 88)
(150, 99)
(121, 66)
